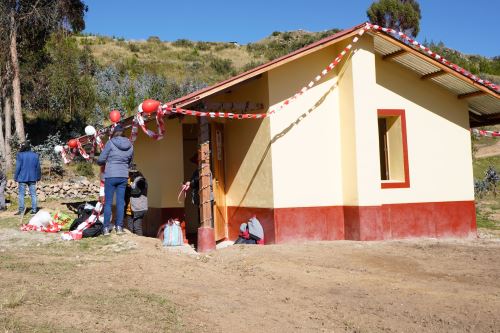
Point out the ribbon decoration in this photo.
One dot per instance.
(92, 219)
(53, 227)
(138, 121)
(479, 132)
(183, 191)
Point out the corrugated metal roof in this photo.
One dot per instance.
(385, 47)
(483, 104)
(416, 64)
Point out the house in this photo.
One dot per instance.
(376, 148)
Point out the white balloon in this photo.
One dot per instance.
(139, 108)
(58, 149)
(90, 130)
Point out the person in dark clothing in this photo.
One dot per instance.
(117, 156)
(27, 173)
(138, 201)
(3, 182)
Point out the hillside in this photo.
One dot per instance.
(210, 62)
(182, 60)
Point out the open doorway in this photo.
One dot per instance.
(190, 149)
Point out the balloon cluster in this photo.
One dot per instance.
(148, 106)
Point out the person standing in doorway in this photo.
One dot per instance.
(27, 173)
(116, 156)
(138, 201)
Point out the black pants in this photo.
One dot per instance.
(134, 222)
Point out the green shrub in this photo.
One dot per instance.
(222, 66)
(85, 169)
(133, 47)
(183, 43)
(153, 39)
(203, 46)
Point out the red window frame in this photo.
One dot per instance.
(402, 115)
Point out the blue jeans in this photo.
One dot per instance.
(112, 185)
(22, 191)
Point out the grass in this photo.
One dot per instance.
(481, 164)
(483, 221)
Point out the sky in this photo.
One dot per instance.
(471, 27)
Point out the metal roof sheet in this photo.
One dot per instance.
(416, 64)
(486, 105)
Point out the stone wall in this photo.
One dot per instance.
(81, 187)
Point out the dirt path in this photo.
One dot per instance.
(488, 151)
(132, 284)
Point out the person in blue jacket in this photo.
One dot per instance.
(117, 156)
(27, 173)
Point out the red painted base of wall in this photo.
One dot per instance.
(395, 221)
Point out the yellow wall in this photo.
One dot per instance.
(305, 135)
(161, 163)
(247, 149)
(438, 137)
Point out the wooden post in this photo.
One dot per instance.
(205, 188)
(206, 234)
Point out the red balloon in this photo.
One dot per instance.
(150, 105)
(73, 143)
(115, 116)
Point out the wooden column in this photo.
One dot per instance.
(206, 234)
(205, 188)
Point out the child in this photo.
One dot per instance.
(138, 201)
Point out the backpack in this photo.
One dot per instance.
(83, 211)
(93, 231)
(172, 235)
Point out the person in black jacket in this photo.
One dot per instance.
(138, 201)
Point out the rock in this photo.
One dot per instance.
(79, 179)
(42, 197)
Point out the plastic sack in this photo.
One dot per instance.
(41, 219)
(173, 234)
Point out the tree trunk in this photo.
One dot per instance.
(7, 111)
(2, 144)
(16, 81)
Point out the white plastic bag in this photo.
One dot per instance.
(41, 219)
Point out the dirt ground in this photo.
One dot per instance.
(132, 284)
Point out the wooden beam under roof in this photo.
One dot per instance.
(394, 54)
(432, 75)
(471, 94)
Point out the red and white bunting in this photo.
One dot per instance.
(479, 132)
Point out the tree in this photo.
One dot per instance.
(25, 25)
(28, 21)
(402, 15)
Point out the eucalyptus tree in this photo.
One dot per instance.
(402, 15)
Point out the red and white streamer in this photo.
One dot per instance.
(53, 227)
(479, 132)
(138, 121)
(92, 219)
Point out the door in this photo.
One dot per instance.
(219, 189)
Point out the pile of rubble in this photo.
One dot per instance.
(80, 187)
